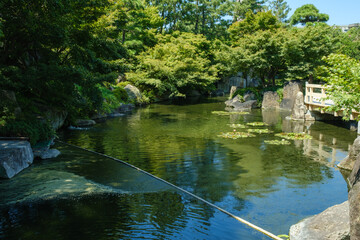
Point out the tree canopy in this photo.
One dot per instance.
(308, 13)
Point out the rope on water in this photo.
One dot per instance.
(263, 231)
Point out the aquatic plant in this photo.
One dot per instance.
(237, 125)
(236, 135)
(256, 124)
(294, 136)
(277, 142)
(260, 131)
(229, 113)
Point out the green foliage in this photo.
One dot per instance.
(350, 43)
(280, 9)
(253, 23)
(241, 8)
(36, 130)
(178, 64)
(306, 46)
(342, 75)
(308, 13)
(121, 94)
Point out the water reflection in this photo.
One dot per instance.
(272, 186)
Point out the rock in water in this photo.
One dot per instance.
(232, 91)
(299, 109)
(349, 161)
(14, 157)
(290, 91)
(331, 224)
(354, 200)
(270, 100)
(133, 92)
(84, 123)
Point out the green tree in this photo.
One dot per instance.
(308, 13)
(252, 23)
(350, 43)
(241, 7)
(342, 75)
(180, 63)
(280, 9)
(305, 47)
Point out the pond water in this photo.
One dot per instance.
(81, 195)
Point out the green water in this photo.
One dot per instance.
(83, 196)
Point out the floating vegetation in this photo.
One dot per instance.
(294, 136)
(261, 131)
(277, 142)
(224, 113)
(237, 125)
(236, 135)
(256, 124)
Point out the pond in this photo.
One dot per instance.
(82, 195)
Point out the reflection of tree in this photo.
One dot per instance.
(96, 217)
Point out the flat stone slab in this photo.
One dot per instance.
(331, 224)
(14, 157)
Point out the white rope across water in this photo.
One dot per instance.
(259, 229)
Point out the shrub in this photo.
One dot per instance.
(36, 130)
(121, 94)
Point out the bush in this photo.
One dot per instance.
(36, 130)
(121, 94)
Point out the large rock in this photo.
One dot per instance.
(331, 224)
(248, 105)
(231, 102)
(354, 205)
(299, 109)
(133, 92)
(84, 122)
(289, 94)
(270, 100)
(354, 200)
(232, 91)
(14, 157)
(349, 161)
(8, 100)
(56, 117)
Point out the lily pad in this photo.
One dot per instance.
(294, 136)
(260, 131)
(237, 125)
(277, 142)
(236, 135)
(256, 124)
(224, 113)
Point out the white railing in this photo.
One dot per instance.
(315, 98)
(315, 94)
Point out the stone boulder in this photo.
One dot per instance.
(248, 105)
(14, 157)
(270, 100)
(133, 92)
(57, 118)
(233, 89)
(354, 200)
(231, 102)
(249, 96)
(349, 161)
(84, 123)
(331, 224)
(299, 109)
(289, 94)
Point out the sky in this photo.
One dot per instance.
(341, 12)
